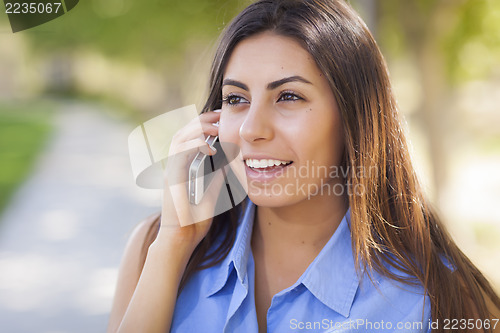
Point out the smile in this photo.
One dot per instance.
(264, 164)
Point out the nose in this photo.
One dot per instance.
(257, 125)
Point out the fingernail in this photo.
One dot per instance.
(218, 111)
(212, 148)
(216, 124)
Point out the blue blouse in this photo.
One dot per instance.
(328, 297)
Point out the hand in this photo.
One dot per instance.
(181, 222)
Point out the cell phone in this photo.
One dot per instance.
(201, 172)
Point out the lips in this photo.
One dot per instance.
(265, 169)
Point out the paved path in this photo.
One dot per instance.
(62, 236)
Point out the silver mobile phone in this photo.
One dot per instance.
(199, 173)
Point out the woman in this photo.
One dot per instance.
(336, 233)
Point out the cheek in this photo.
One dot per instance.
(228, 129)
(326, 141)
(223, 128)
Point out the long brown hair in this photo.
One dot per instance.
(392, 224)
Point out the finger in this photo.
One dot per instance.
(192, 146)
(210, 123)
(192, 130)
(211, 116)
(210, 129)
(198, 127)
(193, 213)
(211, 200)
(208, 150)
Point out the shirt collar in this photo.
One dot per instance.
(331, 277)
(239, 253)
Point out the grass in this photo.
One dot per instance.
(24, 128)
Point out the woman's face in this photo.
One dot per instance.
(279, 110)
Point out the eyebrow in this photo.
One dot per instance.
(270, 86)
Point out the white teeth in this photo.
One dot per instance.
(264, 163)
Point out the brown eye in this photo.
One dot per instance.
(288, 96)
(234, 100)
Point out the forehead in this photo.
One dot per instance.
(270, 55)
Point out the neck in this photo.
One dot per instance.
(308, 224)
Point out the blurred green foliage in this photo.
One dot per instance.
(147, 31)
(466, 33)
(24, 129)
(473, 47)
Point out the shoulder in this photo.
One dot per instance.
(145, 231)
(138, 243)
(131, 266)
(140, 239)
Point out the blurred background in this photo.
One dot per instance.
(71, 91)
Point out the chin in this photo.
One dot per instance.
(272, 201)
